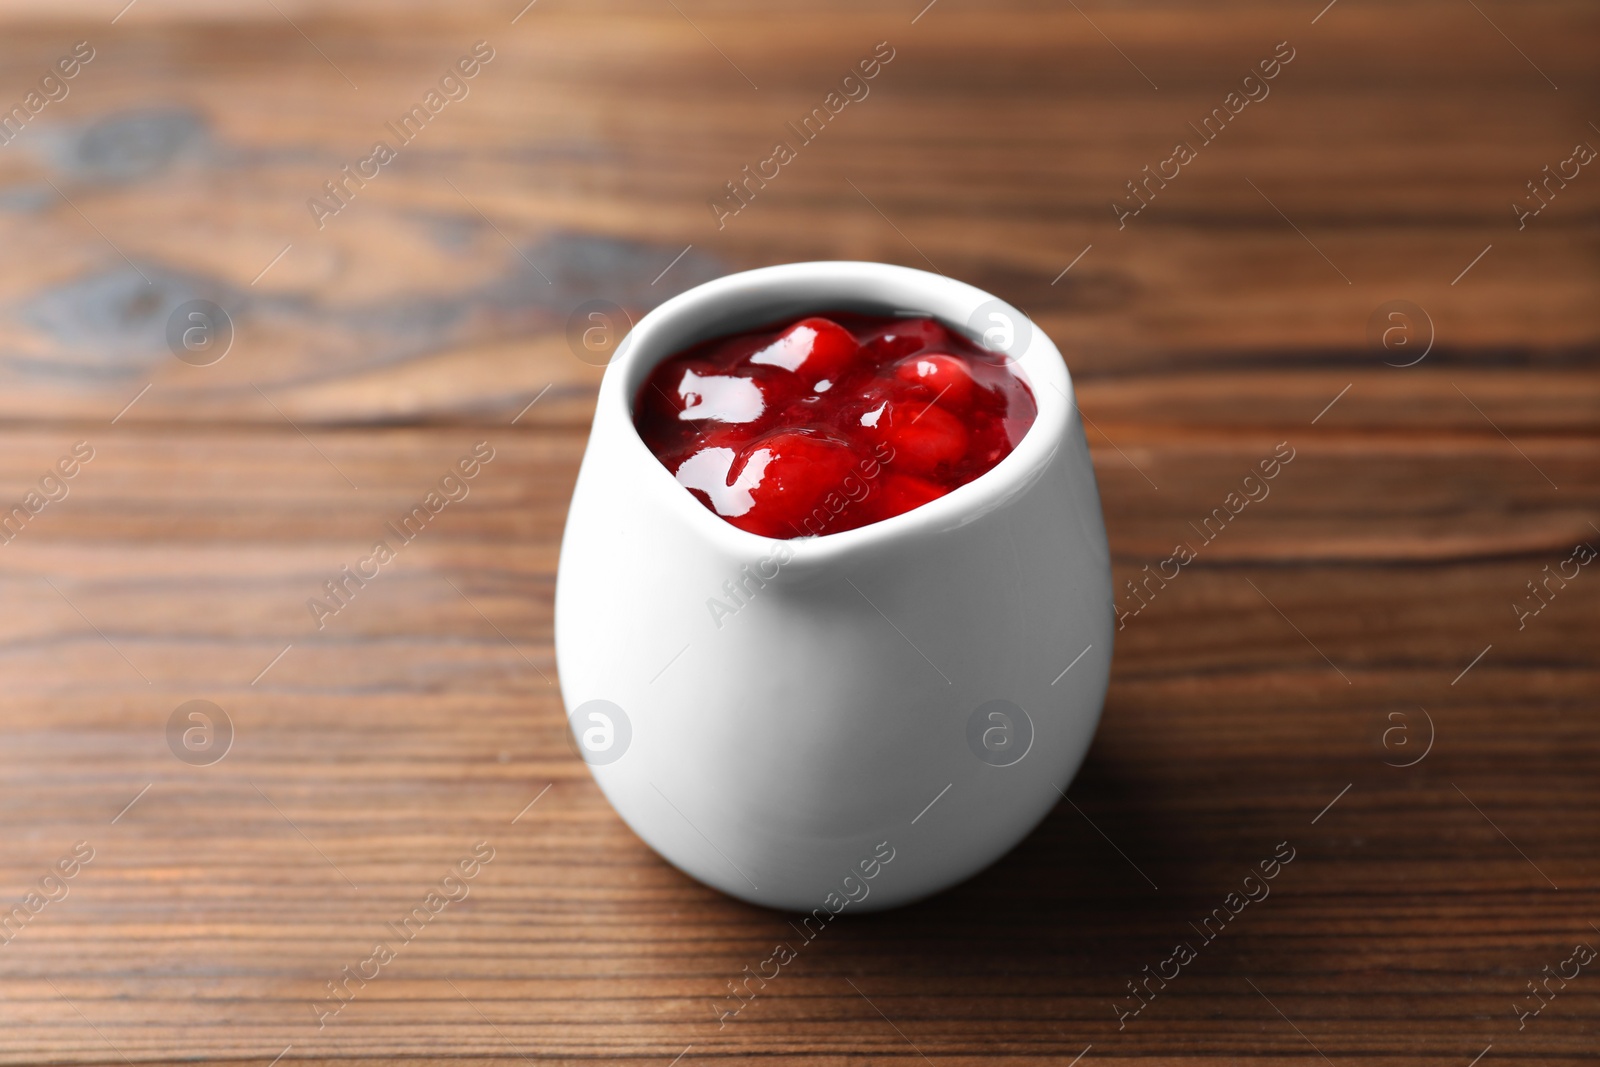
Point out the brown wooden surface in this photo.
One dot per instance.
(375, 753)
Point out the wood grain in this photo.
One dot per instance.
(1254, 698)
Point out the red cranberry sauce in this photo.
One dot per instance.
(830, 423)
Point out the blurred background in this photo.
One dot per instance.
(1379, 248)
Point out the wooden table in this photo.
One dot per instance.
(1272, 693)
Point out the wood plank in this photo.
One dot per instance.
(1256, 696)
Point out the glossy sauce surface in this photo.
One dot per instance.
(831, 422)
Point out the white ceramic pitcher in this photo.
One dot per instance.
(892, 690)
